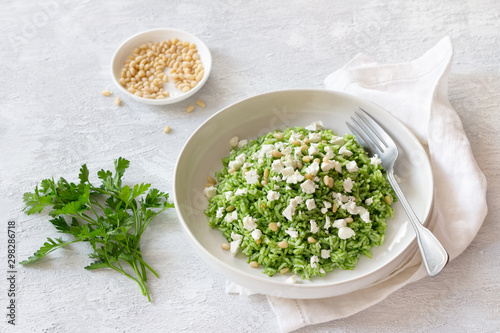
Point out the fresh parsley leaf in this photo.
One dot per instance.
(110, 217)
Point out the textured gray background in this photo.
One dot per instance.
(55, 59)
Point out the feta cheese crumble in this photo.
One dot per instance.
(308, 187)
(252, 177)
(210, 192)
(249, 223)
(273, 195)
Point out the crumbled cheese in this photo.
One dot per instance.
(352, 166)
(292, 232)
(344, 151)
(289, 210)
(287, 172)
(273, 195)
(295, 178)
(312, 169)
(277, 166)
(314, 137)
(228, 194)
(329, 152)
(288, 188)
(231, 217)
(260, 161)
(364, 214)
(256, 234)
(234, 246)
(369, 201)
(327, 204)
(276, 179)
(339, 223)
(210, 192)
(325, 254)
(295, 136)
(276, 187)
(249, 223)
(375, 160)
(252, 177)
(297, 152)
(324, 211)
(322, 271)
(220, 212)
(346, 232)
(315, 126)
(314, 261)
(266, 151)
(247, 165)
(292, 279)
(238, 162)
(327, 222)
(308, 186)
(235, 236)
(240, 192)
(242, 143)
(337, 140)
(286, 151)
(234, 141)
(351, 207)
(348, 184)
(314, 226)
(313, 149)
(326, 166)
(298, 200)
(310, 204)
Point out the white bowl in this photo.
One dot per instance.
(252, 117)
(158, 35)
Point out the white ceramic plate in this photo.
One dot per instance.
(159, 35)
(252, 117)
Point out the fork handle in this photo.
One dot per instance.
(434, 255)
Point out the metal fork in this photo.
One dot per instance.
(375, 139)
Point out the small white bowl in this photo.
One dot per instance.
(126, 49)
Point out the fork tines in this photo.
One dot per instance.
(367, 130)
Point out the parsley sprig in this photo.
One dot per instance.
(111, 217)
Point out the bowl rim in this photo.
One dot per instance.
(207, 64)
(410, 247)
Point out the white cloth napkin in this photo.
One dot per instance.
(416, 92)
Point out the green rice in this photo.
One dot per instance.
(255, 208)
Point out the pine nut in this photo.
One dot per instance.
(229, 208)
(231, 170)
(304, 147)
(306, 159)
(263, 206)
(283, 244)
(190, 109)
(225, 246)
(388, 199)
(348, 219)
(284, 270)
(311, 240)
(278, 136)
(334, 208)
(296, 143)
(211, 180)
(106, 93)
(118, 101)
(299, 165)
(167, 129)
(317, 160)
(254, 264)
(277, 154)
(200, 103)
(266, 173)
(273, 226)
(263, 182)
(308, 176)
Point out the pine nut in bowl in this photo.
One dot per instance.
(161, 66)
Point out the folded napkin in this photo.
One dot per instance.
(416, 93)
